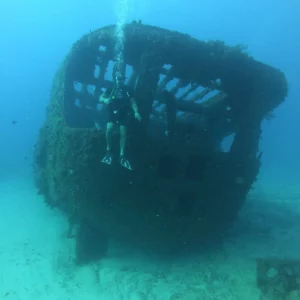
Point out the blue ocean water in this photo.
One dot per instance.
(35, 37)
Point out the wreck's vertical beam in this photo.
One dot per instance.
(245, 147)
(171, 111)
(146, 86)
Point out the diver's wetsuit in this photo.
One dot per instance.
(119, 108)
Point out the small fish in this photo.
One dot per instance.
(14, 122)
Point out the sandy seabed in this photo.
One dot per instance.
(37, 260)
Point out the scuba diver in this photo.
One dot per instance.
(120, 103)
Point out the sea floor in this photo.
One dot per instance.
(37, 260)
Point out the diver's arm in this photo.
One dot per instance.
(134, 105)
(104, 98)
(135, 109)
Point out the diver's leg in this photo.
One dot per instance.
(109, 133)
(123, 137)
(107, 159)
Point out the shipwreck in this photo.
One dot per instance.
(186, 186)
